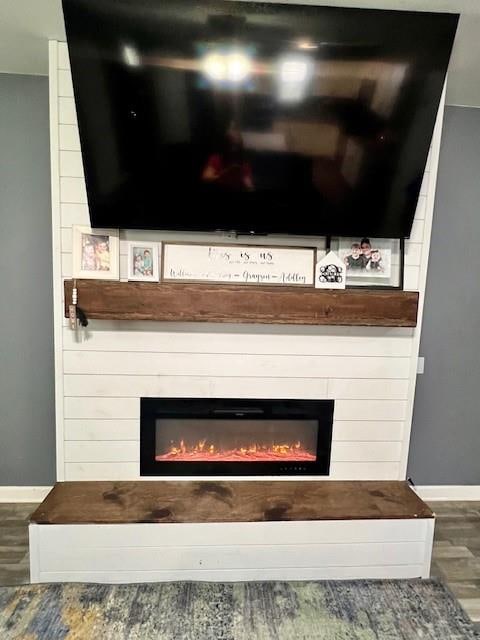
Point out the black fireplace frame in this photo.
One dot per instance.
(153, 408)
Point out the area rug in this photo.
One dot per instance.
(359, 610)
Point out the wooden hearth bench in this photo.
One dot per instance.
(224, 531)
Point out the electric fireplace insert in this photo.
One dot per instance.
(213, 436)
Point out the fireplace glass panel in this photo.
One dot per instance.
(230, 440)
(235, 436)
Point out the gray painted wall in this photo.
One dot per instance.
(27, 418)
(445, 445)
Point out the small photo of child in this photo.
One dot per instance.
(375, 263)
(355, 259)
(143, 261)
(366, 259)
(88, 253)
(138, 263)
(102, 253)
(95, 252)
(147, 263)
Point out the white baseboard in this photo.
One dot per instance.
(426, 492)
(449, 492)
(23, 494)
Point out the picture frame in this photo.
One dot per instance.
(249, 264)
(143, 261)
(374, 263)
(95, 253)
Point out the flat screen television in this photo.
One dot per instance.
(263, 118)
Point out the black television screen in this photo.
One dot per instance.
(265, 118)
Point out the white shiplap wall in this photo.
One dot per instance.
(370, 372)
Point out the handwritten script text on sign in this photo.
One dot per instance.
(238, 264)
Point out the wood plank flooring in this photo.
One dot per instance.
(14, 567)
(456, 554)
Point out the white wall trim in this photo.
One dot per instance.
(56, 255)
(422, 281)
(463, 106)
(449, 492)
(426, 492)
(23, 494)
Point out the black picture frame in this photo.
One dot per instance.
(331, 240)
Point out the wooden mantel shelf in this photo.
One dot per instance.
(113, 300)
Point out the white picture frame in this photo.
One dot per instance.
(95, 253)
(238, 264)
(143, 261)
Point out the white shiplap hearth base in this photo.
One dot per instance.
(102, 373)
(313, 550)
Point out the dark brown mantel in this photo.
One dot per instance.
(113, 300)
(105, 502)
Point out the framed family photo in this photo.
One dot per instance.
(95, 253)
(371, 262)
(143, 261)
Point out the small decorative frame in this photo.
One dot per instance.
(238, 264)
(143, 261)
(330, 272)
(375, 263)
(95, 253)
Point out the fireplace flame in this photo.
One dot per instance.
(202, 451)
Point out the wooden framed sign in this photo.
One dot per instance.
(238, 264)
